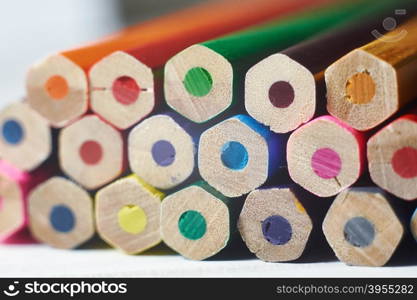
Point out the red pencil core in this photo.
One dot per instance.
(126, 90)
(91, 152)
(404, 162)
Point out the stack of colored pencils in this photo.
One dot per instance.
(290, 125)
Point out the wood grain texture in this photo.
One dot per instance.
(161, 152)
(15, 185)
(266, 203)
(413, 225)
(91, 152)
(74, 227)
(26, 138)
(238, 155)
(64, 100)
(134, 193)
(228, 58)
(302, 67)
(325, 156)
(219, 213)
(371, 205)
(388, 66)
(392, 157)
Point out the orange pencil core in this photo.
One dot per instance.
(56, 87)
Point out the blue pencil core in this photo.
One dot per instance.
(277, 230)
(163, 153)
(62, 218)
(12, 132)
(234, 155)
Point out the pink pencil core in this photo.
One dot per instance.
(404, 162)
(326, 163)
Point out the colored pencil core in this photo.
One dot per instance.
(198, 82)
(326, 163)
(163, 153)
(281, 94)
(404, 162)
(132, 219)
(192, 225)
(360, 88)
(56, 87)
(126, 90)
(277, 230)
(91, 152)
(62, 218)
(359, 232)
(234, 155)
(13, 132)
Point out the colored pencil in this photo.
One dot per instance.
(161, 152)
(362, 227)
(57, 86)
(198, 221)
(325, 156)
(205, 79)
(286, 89)
(125, 85)
(238, 155)
(15, 186)
(373, 82)
(26, 138)
(91, 152)
(413, 225)
(61, 213)
(392, 157)
(128, 215)
(276, 225)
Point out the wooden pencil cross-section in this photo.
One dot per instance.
(371, 83)
(286, 89)
(198, 222)
(58, 86)
(325, 156)
(15, 185)
(161, 152)
(26, 138)
(128, 214)
(413, 225)
(91, 152)
(392, 157)
(61, 213)
(205, 79)
(362, 227)
(275, 225)
(238, 155)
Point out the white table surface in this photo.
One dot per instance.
(42, 261)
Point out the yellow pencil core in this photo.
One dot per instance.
(360, 88)
(132, 219)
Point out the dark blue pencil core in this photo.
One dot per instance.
(163, 153)
(62, 218)
(234, 155)
(277, 230)
(359, 232)
(12, 132)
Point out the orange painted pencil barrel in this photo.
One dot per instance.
(57, 87)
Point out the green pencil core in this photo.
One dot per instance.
(198, 82)
(192, 225)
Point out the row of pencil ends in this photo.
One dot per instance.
(245, 135)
